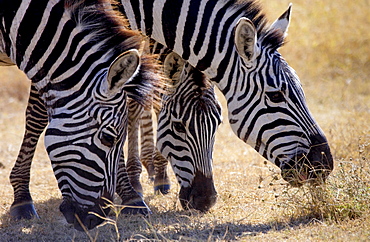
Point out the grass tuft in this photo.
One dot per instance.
(344, 196)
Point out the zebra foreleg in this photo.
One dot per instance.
(134, 167)
(147, 143)
(151, 158)
(36, 121)
(132, 200)
(162, 182)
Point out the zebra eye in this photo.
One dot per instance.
(179, 127)
(107, 139)
(276, 97)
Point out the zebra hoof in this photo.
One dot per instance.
(138, 207)
(164, 189)
(23, 211)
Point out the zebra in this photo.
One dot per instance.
(193, 171)
(231, 42)
(83, 63)
(187, 123)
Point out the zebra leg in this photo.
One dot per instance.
(134, 167)
(147, 143)
(132, 200)
(36, 121)
(162, 182)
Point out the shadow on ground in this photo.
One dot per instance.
(192, 226)
(169, 225)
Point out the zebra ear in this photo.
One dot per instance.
(173, 66)
(122, 70)
(282, 23)
(245, 38)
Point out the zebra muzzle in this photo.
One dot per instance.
(312, 168)
(83, 218)
(200, 195)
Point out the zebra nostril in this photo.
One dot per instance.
(92, 220)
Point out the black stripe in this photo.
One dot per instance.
(189, 28)
(136, 9)
(208, 11)
(148, 11)
(46, 36)
(170, 13)
(28, 27)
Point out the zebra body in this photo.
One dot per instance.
(82, 68)
(231, 43)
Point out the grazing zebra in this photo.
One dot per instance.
(187, 123)
(192, 168)
(83, 63)
(231, 43)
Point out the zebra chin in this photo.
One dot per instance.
(84, 218)
(200, 195)
(312, 167)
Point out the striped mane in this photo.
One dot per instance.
(106, 24)
(103, 22)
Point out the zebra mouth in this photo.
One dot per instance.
(200, 195)
(306, 168)
(83, 218)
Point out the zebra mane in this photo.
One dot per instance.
(108, 28)
(253, 11)
(104, 22)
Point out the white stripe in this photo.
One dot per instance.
(130, 14)
(15, 26)
(157, 21)
(38, 33)
(193, 60)
(180, 28)
(142, 14)
(53, 43)
(70, 72)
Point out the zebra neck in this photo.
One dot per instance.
(193, 29)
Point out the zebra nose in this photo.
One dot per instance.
(200, 195)
(91, 221)
(82, 218)
(313, 167)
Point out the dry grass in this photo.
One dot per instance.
(328, 46)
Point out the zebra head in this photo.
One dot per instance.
(271, 114)
(187, 124)
(84, 141)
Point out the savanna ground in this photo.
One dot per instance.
(328, 45)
